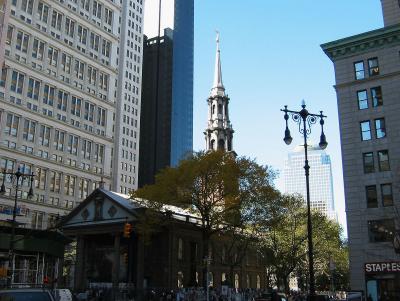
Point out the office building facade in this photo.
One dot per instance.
(155, 129)
(69, 103)
(321, 180)
(4, 15)
(367, 69)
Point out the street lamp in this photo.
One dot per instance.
(305, 120)
(15, 176)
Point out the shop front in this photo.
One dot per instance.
(383, 281)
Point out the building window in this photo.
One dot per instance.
(55, 180)
(17, 82)
(376, 94)
(383, 159)
(365, 130)
(180, 249)
(372, 196)
(22, 41)
(56, 20)
(83, 188)
(387, 195)
(8, 166)
(86, 149)
(48, 95)
(69, 185)
(373, 66)
(62, 100)
(101, 116)
(44, 136)
(69, 27)
(12, 125)
(359, 70)
(73, 144)
(381, 230)
(368, 160)
(362, 98)
(66, 63)
(89, 111)
(59, 140)
(29, 130)
(40, 178)
(33, 89)
(43, 12)
(76, 104)
(380, 128)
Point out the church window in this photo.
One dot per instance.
(219, 109)
(213, 109)
(212, 142)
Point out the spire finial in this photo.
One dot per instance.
(217, 85)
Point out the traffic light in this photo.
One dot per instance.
(127, 230)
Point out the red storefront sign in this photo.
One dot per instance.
(382, 267)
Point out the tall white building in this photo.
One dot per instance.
(69, 102)
(321, 185)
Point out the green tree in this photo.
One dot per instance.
(285, 245)
(221, 190)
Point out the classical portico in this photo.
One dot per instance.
(104, 257)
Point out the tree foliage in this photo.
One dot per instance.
(285, 245)
(227, 194)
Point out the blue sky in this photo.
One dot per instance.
(271, 57)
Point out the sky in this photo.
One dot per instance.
(271, 57)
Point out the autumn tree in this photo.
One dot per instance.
(221, 190)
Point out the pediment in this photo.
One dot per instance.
(101, 207)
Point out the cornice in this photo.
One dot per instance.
(361, 43)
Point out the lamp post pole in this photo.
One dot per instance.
(305, 119)
(17, 176)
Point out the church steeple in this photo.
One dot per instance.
(219, 132)
(218, 86)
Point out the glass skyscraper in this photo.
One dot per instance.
(321, 185)
(182, 81)
(167, 101)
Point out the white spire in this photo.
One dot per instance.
(218, 86)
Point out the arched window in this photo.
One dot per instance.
(213, 109)
(258, 282)
(219, 109)
(212, 144)
(223, 278)
(236, 281)
(180, 279)
(210, 279)
(221, 144)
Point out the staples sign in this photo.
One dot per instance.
(382, 267)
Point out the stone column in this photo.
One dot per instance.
(80, 264)
(115, 267)
(139, 268)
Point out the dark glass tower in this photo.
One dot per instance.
(166, 121)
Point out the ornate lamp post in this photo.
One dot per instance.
(305, 120)
(15, 177)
